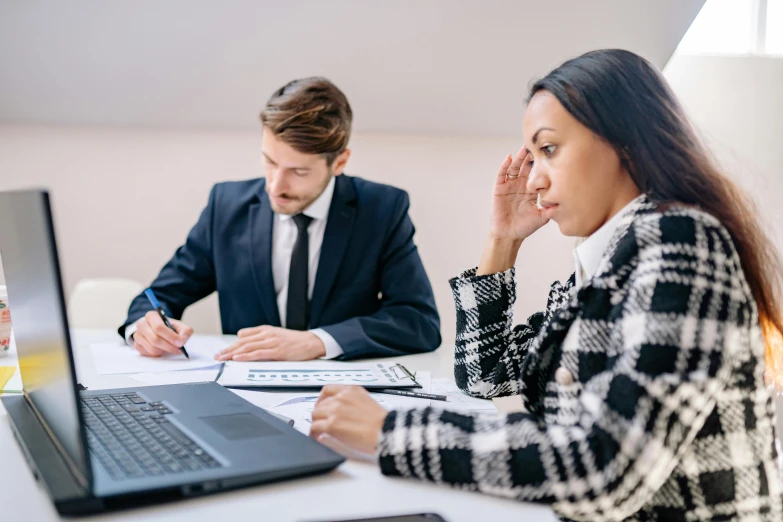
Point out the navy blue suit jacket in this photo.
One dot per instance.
(371, 292)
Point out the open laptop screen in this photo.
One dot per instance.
(29, 256)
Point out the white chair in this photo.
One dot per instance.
(101, 303)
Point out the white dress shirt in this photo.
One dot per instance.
(284, 234)
(587, 257)
(588, 254)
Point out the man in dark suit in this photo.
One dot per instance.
(308, 262)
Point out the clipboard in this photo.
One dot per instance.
(315, 375)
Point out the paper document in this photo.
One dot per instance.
(14, 385)
(117, 357)
(388, 401)
(300, 412)
(299, 406)
(458, 400)
(178, 377)
(315, 374)
(10, 379)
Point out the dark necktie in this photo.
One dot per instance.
(298, 306)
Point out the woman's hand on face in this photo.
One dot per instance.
(515, 215)
(349, 414)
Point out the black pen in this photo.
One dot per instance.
(156, 304)
(407, 393)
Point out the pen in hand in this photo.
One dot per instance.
(156, 305)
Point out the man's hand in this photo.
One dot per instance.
(270, 343)
(153, 338)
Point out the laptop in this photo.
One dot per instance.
(98, 450)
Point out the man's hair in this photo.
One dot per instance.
(311, 115)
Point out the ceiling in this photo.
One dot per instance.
(408, 66)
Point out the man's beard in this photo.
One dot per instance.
(303, 204)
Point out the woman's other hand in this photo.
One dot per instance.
(350, 415)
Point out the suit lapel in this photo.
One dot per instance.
(641, 206)
(261, 220)
(339, 226)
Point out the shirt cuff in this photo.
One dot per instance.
(129, 331)
(332, 348)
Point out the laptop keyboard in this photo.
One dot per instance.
(132, 438)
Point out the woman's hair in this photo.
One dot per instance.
(625, 100)
(311, 115)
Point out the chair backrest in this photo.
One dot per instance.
(101, 303)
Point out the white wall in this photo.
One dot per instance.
(125, 199)
(737, 103)
(429, 67)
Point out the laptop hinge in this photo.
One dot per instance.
(46, 461)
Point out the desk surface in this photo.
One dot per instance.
(353, 490)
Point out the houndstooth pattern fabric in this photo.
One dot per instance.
(667, 417)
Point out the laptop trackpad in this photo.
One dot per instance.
(240, 426)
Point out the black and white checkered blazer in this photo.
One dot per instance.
(658, 410)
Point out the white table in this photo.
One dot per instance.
(351, 491)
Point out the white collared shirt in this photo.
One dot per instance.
(284, 234)
(587, 256)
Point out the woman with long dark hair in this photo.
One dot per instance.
(643, 381)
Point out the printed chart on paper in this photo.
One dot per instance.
(314, 374)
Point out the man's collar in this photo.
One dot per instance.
(319, 208)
